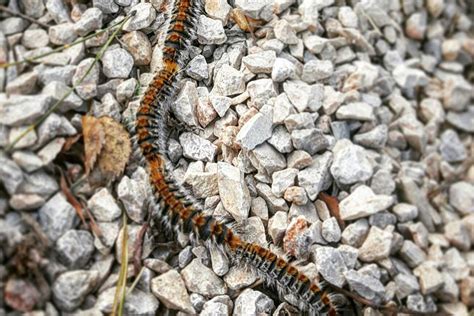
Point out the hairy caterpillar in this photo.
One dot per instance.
(178, 211)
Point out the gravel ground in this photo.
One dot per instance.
(369, 101)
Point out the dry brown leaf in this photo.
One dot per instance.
(116, 150)
(333, 206)
(94, 139)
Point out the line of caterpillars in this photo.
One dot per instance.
(178, 210)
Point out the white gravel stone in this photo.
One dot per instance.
(202, 280)
(102, 204)
(210, 31)
(360, 111)
(247, 137)
(316, 177)
(196, 147)
(376, 246)
(261, 62)
(350, 164)
(170, 289)
(363, 202)
(282, 180)
(233, 191)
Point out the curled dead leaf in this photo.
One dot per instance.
(116, 149)
(94, 139)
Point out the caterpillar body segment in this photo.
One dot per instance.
(173, 206)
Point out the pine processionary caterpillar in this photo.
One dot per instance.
(178, 211)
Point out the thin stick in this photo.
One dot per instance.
(59, 49)
(24, 16)
(53, 108)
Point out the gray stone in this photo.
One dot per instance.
(455, 264)
(21, 110)
(219, 261)
(376, 246)
(363, 202)
(13, 25)
(316, 70)
(359, 111)
(258, 207)
(219, 305)
(145, 15)
(310, 140)
(430, 278)
(412, 254)
(49, 152)
(53, 126)
(102, 204)
(137, 302)
(239, 277)
(71, 288)
(282, 180)
(303, 120)
(220, 104)
(461, 197)
(366, 286)
(316, 177)
(304, 96)
(170, 289)
(314, 43)
(228, 81)
(117, 62)
(39, 183)
(185, 106)
(10, 175)
(277, 226)
(62, 34)
(202, 280)
(138, 45)
(110, 231)
(405, 212)
(375, 138)
(458, 235)
(261, 91)
(90, 20)
(75, 248)
(350, 164)
(247, 137)
(26, 141)
(210, 31)
(275, 204)
(414, 195)
(57, 216)
(62, 74)
(266, 159)
(457, 93)
(25, 202)
(330, 230)
(126, 90)
(197, 68)
(87, 89)
(133, 194)
(347, 17)
(23, 84)
(299, 159)
(406, 285)
(255, 9)
(281, 140)
(233, 191)
(251, 302)
(307, 211)
(58, 10)
(451, 147)
(196, 147)
(282, 69)
(382, 182)
(282, 109)
(419, 303)
(56, 90)
(330, 264)
(261, 62)
(462, 120)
